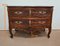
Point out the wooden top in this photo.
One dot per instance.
(30, 6)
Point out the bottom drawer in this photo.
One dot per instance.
(40, 23)
(19, 23)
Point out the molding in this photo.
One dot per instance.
(52, 30)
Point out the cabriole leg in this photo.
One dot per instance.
(11, 35)
(49, 32)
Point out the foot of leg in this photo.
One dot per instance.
(11, 34)
(49, 32)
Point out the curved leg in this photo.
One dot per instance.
(49, 32)
(11, 35)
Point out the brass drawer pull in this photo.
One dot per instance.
(18, 12)
(18, 22)
(42, 12)
(42, 22)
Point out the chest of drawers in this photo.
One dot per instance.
(21, 17)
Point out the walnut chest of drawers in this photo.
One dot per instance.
(21, 17)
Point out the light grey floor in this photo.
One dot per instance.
(54, 40)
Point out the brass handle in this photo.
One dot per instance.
(18, 12)
(18, 22)
(41, 22)
(42, 12)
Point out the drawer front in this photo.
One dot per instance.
(19, 23)
(40, 23)
(41, 12)
(18, 12)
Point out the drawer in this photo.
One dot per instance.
(18, 12)
(43, 22)
(19, 23)
(41, 12)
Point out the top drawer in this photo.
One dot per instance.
(33, 12)
(18, 11)
(41, 12)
